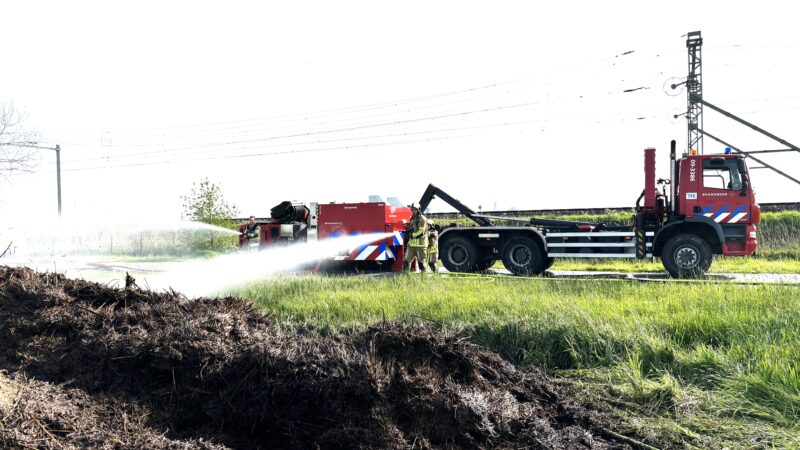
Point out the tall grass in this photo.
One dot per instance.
(732, 351)
(779, 230)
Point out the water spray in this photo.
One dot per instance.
(211, 277)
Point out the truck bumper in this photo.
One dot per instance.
(748, 247)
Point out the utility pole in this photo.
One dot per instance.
(694, 92)
(57, 149)
(58, 175)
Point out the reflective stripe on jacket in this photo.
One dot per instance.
(419, 238)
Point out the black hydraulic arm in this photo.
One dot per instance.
(432, 192)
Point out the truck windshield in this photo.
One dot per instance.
(722, 175)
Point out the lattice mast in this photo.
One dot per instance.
(694, 92)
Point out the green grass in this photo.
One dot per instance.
(694, 363)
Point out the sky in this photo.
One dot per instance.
(505, 105)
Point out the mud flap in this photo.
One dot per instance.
(641, 238)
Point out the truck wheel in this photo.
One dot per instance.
(523, 256)
(686, 256)
(548, 262)
(459, 254)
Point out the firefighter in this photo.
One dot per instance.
(418, 240)
(433, 246)
(252, 231)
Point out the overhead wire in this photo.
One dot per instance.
(216, 147)
(243, 129)
(193, 158)
(337, 111)
(235, 140)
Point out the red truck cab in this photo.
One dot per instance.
(716, 189)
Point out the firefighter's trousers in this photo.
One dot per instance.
(421, 255)
(432, 258)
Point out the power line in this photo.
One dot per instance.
(187, 160)
(235, 141)
(269, 153)
(345, 129)
(405, 133)
(194, 148)
(344, 119)
(303, 116)
(173, 151)
(359, 127)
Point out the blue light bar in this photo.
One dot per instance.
(727, 150)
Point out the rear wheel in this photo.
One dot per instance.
(686, 256)
(459, 254)
(548, 262)
(523, 256)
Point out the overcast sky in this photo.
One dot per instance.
(502, 104)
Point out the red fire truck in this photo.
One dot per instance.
(706, 208)
(294, 222)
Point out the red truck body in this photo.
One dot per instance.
(333, 220)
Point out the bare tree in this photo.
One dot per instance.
(16, 153)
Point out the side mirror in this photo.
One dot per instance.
(745, 187)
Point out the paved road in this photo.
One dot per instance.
(657, 276)
(114, 272)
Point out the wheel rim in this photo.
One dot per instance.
(687, 257)
(458, 255)
(520, 255)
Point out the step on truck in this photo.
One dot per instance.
(706, 208)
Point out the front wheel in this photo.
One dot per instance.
(686, 256)
(523, 256)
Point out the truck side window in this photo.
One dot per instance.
(722, 176)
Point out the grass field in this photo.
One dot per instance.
(694, 364)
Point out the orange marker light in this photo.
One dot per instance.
(694, 152)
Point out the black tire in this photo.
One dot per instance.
(524, 256)
(459, 254)
(548, 262)
(686, 256)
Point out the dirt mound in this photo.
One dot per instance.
(91, 366)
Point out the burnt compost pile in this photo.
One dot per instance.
(85, 365)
